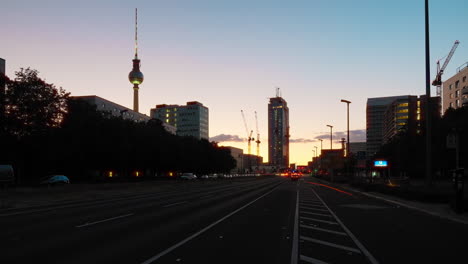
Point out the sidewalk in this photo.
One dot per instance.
(442, 210)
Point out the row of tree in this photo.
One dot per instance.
(45, 131)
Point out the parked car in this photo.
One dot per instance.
(204, 177)
(188, 176)
(7, 174)
(55, 180)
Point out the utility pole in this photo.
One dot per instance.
(428, 101)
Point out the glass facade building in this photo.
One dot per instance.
(278, 133)
(190, 120)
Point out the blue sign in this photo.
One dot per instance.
(380, 163)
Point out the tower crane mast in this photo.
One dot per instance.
(440, 70)
(258, 135)
(249, 135)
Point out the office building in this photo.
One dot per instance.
(455, 89)
(2, 66)
(117, 110)
(401, 115)
(375, 111)
(387, 116)
(190, 120)
(278, 132)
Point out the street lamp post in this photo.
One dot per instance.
(316, 151)
(428, 101)
(331, 136)
(321, 147)
(347, 113)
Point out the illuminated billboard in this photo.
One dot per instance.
(380, 163)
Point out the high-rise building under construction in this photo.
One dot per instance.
(278, 132)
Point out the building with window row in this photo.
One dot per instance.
(119, 111)
(190, 120)
(278, 132)
(455, 89)
(387, 116)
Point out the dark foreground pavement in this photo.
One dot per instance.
(256, 220)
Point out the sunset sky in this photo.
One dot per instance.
(231, 55)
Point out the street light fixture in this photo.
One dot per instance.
(347, 106)
(331, 136)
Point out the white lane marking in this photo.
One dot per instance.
(310, 200)
(360, 246)
(312, 205)
(316, 214)
(102, 221)
(161, 254)
(312, 260)
(355, 250)
(319, 220)
(295, 246)
(311, 208)
(172, 204)
(324, 230)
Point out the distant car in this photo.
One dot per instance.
(204, 177)
(295, 176)
(188, 176)
(55, 180)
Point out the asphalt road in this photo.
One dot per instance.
(251, 220)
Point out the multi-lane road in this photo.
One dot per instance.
(248, 220)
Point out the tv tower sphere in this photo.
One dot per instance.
(136, 76)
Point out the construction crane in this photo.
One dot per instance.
(258, 135)
(249, 135)
(440, 70)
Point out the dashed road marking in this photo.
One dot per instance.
(102, 221)
(311, 208)
(319, 220)
(173, 204)
(317, 214)
(324, 230)
(355, 250)
(312, 260)
(312, 205)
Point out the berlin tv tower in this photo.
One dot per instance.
(136, 76)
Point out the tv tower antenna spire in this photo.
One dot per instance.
(136, 33)
(136, 76)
